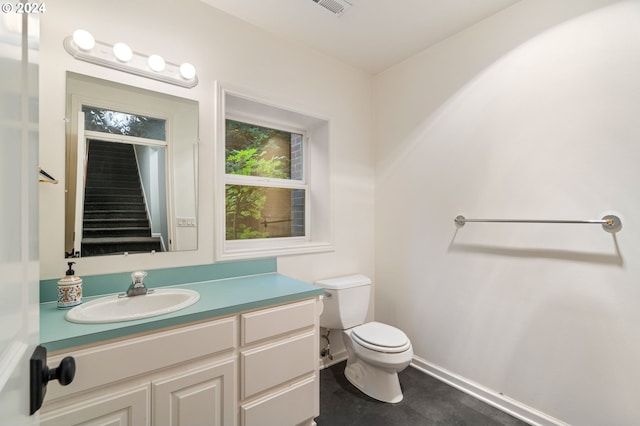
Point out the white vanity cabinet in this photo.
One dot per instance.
(252, 368)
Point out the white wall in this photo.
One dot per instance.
(529, 114)
(231, 51)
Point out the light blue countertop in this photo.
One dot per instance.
(217, 298)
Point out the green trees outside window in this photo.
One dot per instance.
(254, 209)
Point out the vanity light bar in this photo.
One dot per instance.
(84, 47)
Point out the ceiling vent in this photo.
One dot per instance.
(337, 7)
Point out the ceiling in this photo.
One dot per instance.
(371, 35)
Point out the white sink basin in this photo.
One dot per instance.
(114, 309)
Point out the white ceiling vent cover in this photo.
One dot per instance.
(337, 7)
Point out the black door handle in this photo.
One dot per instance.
(41, 374)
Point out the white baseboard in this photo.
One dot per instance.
(495, 399)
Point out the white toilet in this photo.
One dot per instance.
(377, 352)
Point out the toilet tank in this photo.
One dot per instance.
(346, 301)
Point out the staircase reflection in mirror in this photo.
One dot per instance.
(118, 212)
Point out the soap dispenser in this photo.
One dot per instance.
(69, 289)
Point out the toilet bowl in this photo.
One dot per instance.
(373, 363)
(376, 352)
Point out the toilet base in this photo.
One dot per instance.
(377, 383)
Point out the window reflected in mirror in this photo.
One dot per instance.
(118, 122)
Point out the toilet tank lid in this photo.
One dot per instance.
(348, 281)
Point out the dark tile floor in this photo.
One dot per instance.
(427, 401)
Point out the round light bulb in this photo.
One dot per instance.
(83, 39)
(187, 71)
(122, 52)
(156, 63)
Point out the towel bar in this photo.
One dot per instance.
(610, 223)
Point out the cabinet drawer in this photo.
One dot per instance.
(289, 407)
(276, 363)
(260, 325)
(103, 364)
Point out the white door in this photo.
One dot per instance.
(19, 269)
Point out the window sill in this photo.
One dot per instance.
(240, 250)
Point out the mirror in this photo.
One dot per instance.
(131, 169)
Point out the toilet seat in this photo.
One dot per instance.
(380, 337)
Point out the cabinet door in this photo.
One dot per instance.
(129, 407)
(205, 397)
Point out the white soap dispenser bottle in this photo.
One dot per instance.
(69, 289)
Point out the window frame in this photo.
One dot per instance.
(265, 113)
(266, 182)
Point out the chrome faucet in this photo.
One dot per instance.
(137, 287)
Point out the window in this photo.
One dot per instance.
(265, 189)
(273, 196)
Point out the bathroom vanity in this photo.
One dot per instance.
(245, 354)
